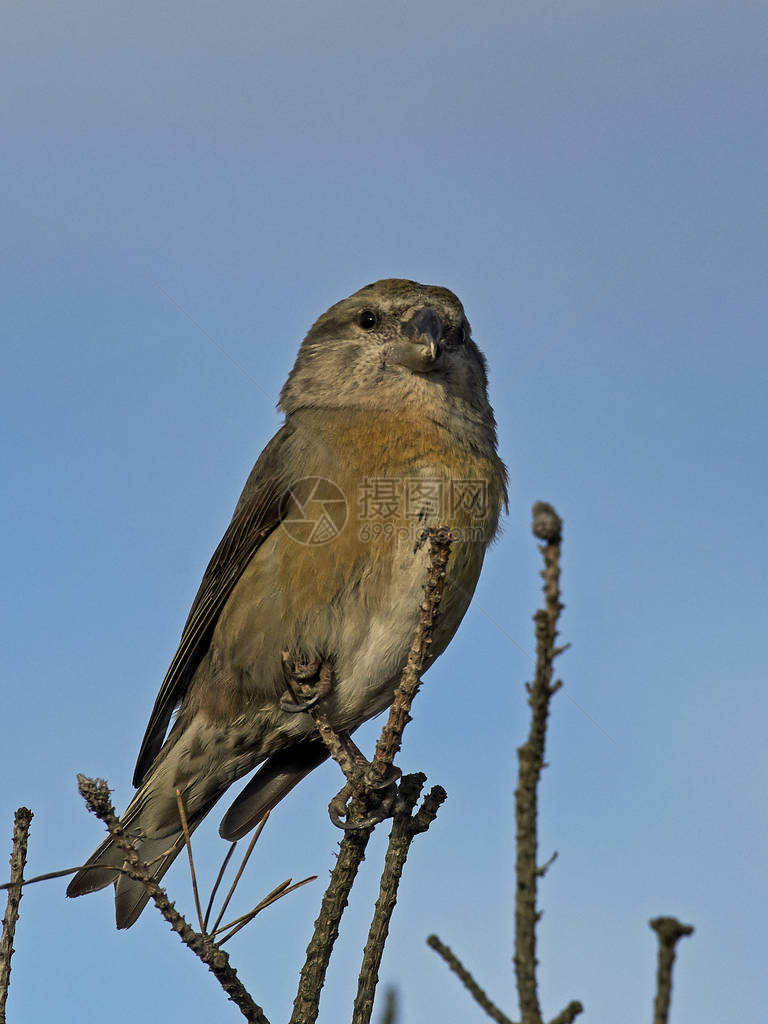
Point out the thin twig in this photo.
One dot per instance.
(21, 822)
(273, 897)
(276, 892)
(73, 871)
(466, 978)
(217, 883)
(569, 1014)
(544, 868)
(669, 931)
(96, 795)
(240, 871)
(51, 874)
(192, 872)
(47, 877)
(405, 827)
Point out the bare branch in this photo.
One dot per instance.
(547, 526)
(351, 853)
(366, 789)
(569, 1014)
(405, 827)
(669, 931)
(96, 795)
(466, 978)
(21, 822)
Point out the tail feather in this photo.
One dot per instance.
(158, 852)
(130, 896)
(276, 777)
(104, 867)
(99, 871)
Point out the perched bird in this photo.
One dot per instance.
(387, 431)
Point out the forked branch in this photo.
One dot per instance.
(365, 783)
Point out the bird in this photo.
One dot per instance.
(388, 431)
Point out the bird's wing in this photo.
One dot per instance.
(256, 516)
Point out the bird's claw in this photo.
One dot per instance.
(308, 683)
(338, 808)
(303, 671)
(394, 774)
(287, 703)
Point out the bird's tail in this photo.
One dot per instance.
(158, 852)
(105, 866)
(154, 805)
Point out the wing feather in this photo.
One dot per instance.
(256, 516)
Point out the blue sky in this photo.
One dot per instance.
(260, 161)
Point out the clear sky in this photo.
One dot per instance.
(260, 161)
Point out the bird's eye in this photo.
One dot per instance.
(367, 319)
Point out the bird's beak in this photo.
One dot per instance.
(422, 343)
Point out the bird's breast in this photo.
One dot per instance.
(342, 577)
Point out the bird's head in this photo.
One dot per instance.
(395, 345)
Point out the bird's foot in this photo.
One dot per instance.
(308, 683)
(339, 809)
(379, 794)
